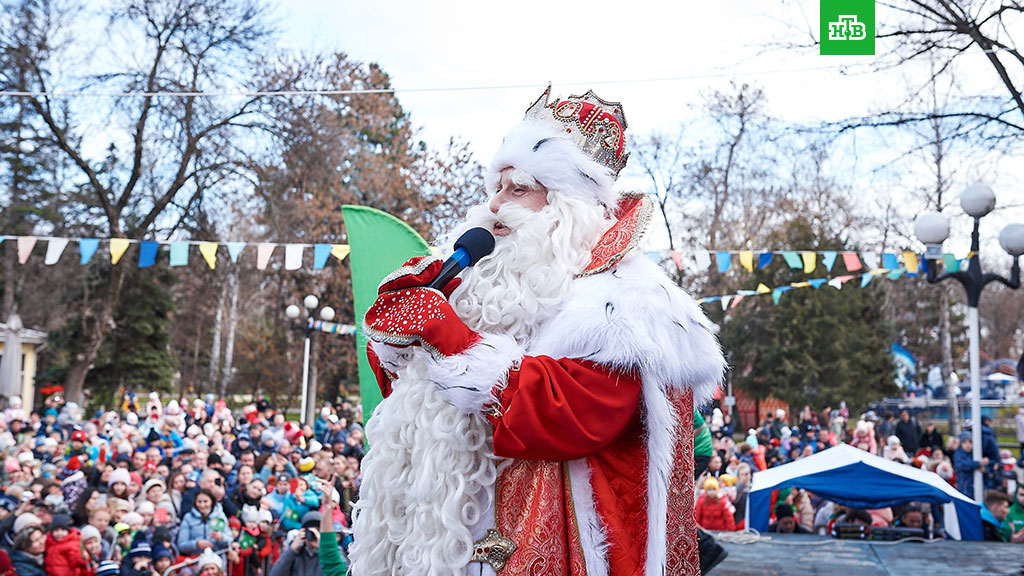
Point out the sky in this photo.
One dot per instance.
(469, 69)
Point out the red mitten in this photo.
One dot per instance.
(417, 271)
(418, 316)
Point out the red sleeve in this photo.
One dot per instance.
(382, 375)
(563, 409)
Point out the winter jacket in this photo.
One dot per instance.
(64, 558)
(932, 440)
(964, 467)
(26, 564)
(1015, 519)
(291, 518)
(714, 514)
(909, 433)
(305, 562)
(194, 528)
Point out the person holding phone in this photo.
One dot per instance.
(204, 527)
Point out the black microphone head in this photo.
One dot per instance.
(477, 242)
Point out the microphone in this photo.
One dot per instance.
(473, 245)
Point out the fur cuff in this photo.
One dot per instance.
(468, 380)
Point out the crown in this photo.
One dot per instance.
(597, 126)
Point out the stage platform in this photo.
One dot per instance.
(812, 555)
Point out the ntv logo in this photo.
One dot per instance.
(847, 27)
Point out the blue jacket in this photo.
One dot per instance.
(964, 465)
(194, 528)
(26, 565)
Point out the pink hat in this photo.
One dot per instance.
(12, 465)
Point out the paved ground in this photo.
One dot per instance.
(806, 554)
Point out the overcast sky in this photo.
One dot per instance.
(654, 57)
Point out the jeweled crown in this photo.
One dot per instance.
(598, 127)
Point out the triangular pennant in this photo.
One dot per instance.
(896, 273)
(54, 248)
(746, 292)
(951, 263)
(762, 289)
(725, 302)
(764, 259)
(263, 253)
(793, 260)
(703, 258)
(209, 252)
(293, 256)
(87, 247)
(799, 285)
(147, 254)
(677, 257)
(836, 283)
(828, 258)
(234, 250)
(817, 282)
(654, 255)
(2, 238)
(870, 260)
(776, 295)
(25, 245)
(851, 261)
(747, 260)
(723, 260)
(810, 261)
(321, 252)
(118, 246)
(179, 253)
(865, 279)
(889, 261)
(910, 261)
(340, 251)
(736, 301)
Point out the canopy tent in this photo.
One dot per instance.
(859, 479)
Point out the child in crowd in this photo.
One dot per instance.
(713, 512)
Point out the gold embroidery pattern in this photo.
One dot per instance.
(681, 548)
(634, 214)
(531, 509)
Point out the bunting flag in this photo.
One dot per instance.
(762, 289)
(851, 262)
(870, 260)
(865, 279)
(736, 301)
(147, 254)
(793, 260)
(332, 328)
(889, 261)
(725, 302)
(340, 251)
(703, 258)
(25, 246)
(179, 253)
(747, 260)
(677, 258)
(118, 246)
(235, 250)
(764, 259)
(321, 252)
(54, 249)
(828, 258)
(723, 260)
(910, 261)
(209, 252)
(817, 282)
(951, 263)
(263, 253)
(293, 256)
(87, 247)
(810, 261)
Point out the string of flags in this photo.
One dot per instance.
(806, 260)
(332, 327)
(179, 251)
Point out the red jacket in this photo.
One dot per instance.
(714, 514)
(65, 558)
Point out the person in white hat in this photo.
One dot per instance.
(563, 356)
(210, 564)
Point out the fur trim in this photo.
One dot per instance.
(661, 424)
(393, 358)
(592, 532)
(467, 380)
(554, 160)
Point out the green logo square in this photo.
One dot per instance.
(848, 27)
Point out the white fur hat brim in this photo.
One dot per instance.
(555, 161)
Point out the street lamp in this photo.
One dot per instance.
(293, 312)
(932, 229)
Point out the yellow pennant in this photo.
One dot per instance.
(762, 289)
(810, 261)
(801, 284)
(118, 246)
(209, 252)
(340, 251)
(747, 260)
(910, 261)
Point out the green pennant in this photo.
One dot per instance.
(951, 263)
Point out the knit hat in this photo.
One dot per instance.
(265, 516)
(780, 413)
(208, 557)
(24, 521)
(893, 441)
(140, 547)
(161, 551)
(12, 465)
(783, 510)
(61, 521)
(311, 519)
(131, 518)
(26, 458)
(89, 532)
(151, 483)
(108, 568)
(250, 514)
(146, 507)
(135, 477)
(306, 465)
(120, 475)
(711, 484)
(728, 479)
(8, 503)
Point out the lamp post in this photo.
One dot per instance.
(932, 228)
(293, 312)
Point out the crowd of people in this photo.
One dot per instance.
(131, 492)
(722, 488)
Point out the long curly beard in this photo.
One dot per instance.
(428, 480)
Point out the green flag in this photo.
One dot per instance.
(380, 244)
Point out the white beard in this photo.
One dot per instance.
(428, 480)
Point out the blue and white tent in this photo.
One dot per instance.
(859, 479)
